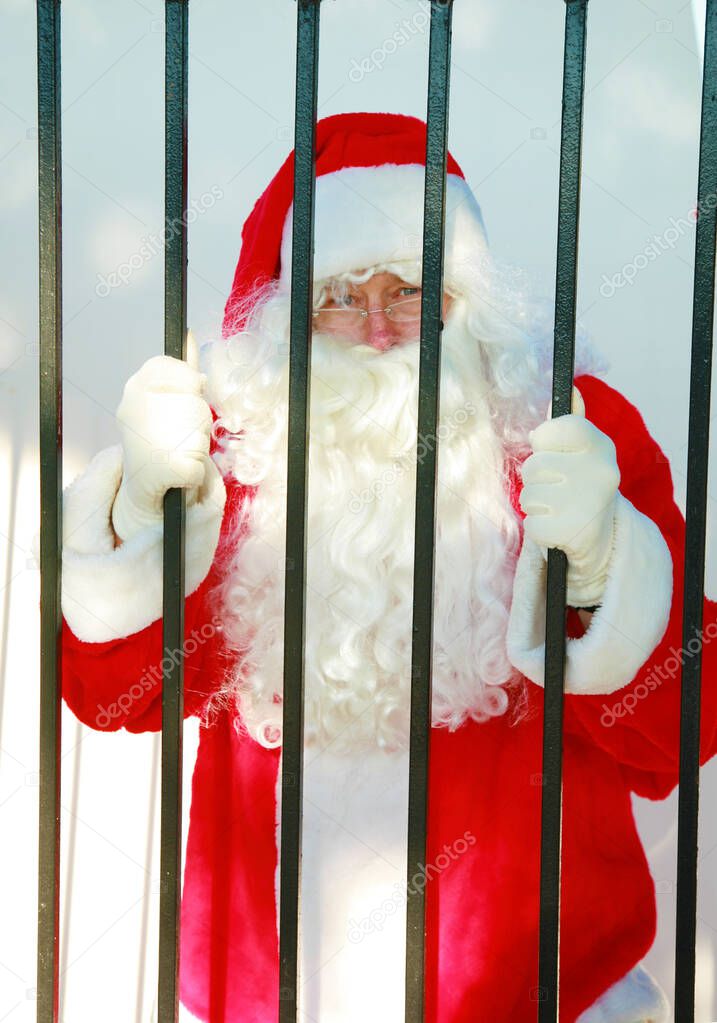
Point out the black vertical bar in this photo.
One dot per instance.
(439, 70)
(50, 311)
(302, 287)
(696, 511)
(175, 336)
(563, 370)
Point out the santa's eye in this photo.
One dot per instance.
(343, 301)
(409, 290)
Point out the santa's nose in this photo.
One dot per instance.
(380, 332)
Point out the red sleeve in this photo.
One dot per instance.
(639, 724)
(116, 684)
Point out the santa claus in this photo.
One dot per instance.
(512, 482)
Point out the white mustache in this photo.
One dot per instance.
(363, 449)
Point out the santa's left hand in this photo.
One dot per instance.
(569, 496)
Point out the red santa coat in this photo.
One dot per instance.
(482, 912)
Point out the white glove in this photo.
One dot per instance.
(569, 496)
(165, 425)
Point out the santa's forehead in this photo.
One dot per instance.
(387, 275)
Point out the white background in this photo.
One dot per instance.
(640, 170)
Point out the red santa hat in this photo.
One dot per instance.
(370, 171)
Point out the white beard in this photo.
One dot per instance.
(360, 530)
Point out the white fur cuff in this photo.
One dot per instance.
(108, 592)
(626, 628)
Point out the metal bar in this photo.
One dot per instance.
(696, 510)
(439, 69)
(302, 286)
(563, 371)
(50, 312)
(175, 339)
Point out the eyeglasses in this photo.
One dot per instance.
(406, 310)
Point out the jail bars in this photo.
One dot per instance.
(439, 69)
(50, 301)
(302, 288)
(695, 519)
(50, 308)
(175, 339)
(563, 369)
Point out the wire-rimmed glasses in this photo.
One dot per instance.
(404, 310)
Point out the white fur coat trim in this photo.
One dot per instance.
(110, 593)
(625, 629)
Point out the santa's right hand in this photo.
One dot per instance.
(165, 425)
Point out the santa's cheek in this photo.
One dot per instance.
(350, 335)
